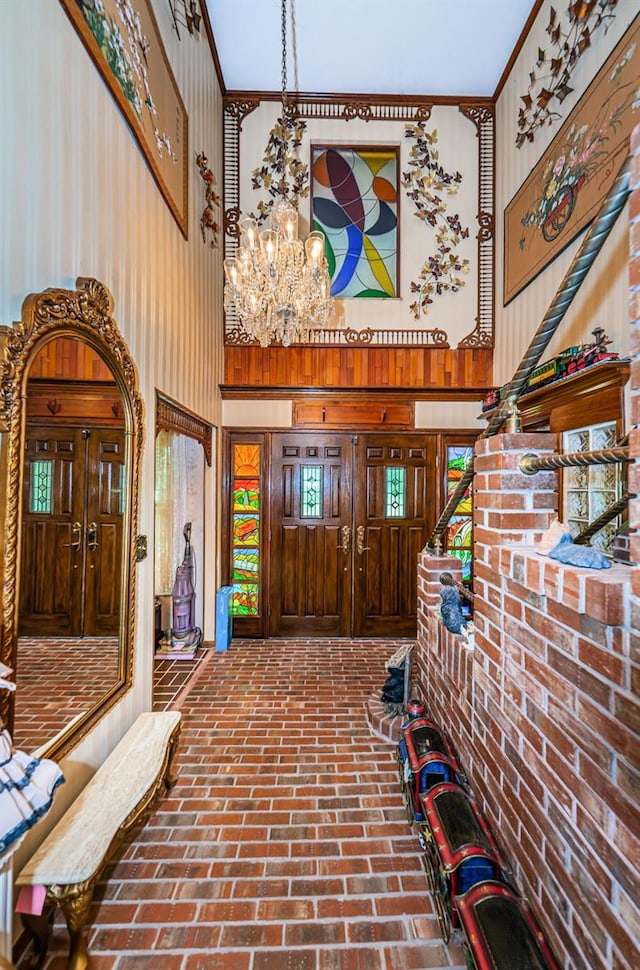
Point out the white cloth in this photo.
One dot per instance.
(27, 785)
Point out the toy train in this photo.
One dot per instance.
(466, 872)
(568, 361)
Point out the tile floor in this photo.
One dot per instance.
(284, 844)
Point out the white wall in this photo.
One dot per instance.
(602, 299)
(77, 199)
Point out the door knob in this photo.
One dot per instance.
(76, 541)
(346, 539)
(360, 546)
(92, 536)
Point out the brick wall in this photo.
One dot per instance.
(544, 710)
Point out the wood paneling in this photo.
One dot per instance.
(359, 367)
(69, 359)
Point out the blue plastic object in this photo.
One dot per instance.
(224, 619)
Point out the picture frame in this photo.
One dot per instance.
(124, 42)
(566, 187)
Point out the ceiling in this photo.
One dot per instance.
(434, 47)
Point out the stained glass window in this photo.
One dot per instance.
(311, 492)
(246, 529)
(41, 499)
(459, 533)
(355, 205)
(395, 486)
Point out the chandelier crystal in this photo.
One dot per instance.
(278, 286)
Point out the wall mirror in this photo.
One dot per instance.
(70, 447)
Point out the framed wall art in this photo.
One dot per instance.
(565, 189)
(123, 40)
(354, 202)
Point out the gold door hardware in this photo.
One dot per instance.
(346, 539)
(360, 546)
(76, 541)
(92, 536)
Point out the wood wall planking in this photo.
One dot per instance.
(358, 367)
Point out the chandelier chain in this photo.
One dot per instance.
(283, 70)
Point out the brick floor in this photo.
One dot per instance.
(284, 844)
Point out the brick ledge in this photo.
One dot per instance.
(601, 594)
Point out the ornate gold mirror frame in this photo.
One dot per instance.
(83, 314)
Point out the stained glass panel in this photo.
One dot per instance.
(245, 549)
(245, 599)
(355, 204)
(395, 484)
(245, 565)
(459, 532)
(311, 492)
(246, 460)
(246, 494)
(41, 499)
(246, 530)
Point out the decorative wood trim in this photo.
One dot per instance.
(349, 336)
(171, 416)
(335, 413)
(594, 394)
(481, 111)
(483, 335)
(78, 403)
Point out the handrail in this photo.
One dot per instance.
(610, 513)
(447, 580)
(532, 464)
(584, 258)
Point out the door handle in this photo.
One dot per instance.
(360, 546)
(92, 536)
(345, 545)
(76, 541)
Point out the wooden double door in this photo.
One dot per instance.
(349, 515)
(72, 525)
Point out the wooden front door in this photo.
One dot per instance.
(394, 506)
(311, 527)
(71, 545)
(349, 516)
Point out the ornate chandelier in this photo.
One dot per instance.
(278, 286)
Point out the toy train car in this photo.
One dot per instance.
(460, 851)
(426, 757)
(567, 362)
(501, 931)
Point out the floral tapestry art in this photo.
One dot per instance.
(123, 40)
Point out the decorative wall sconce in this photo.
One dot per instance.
(185, 13)
(208, 221)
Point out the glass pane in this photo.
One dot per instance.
(246, 530)
(245, 565)
(466, 557)
(42, 487)
(246, 494)
(244, 599)
(589, 491)
(395, 493)
(246, 460)
(311, 492)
